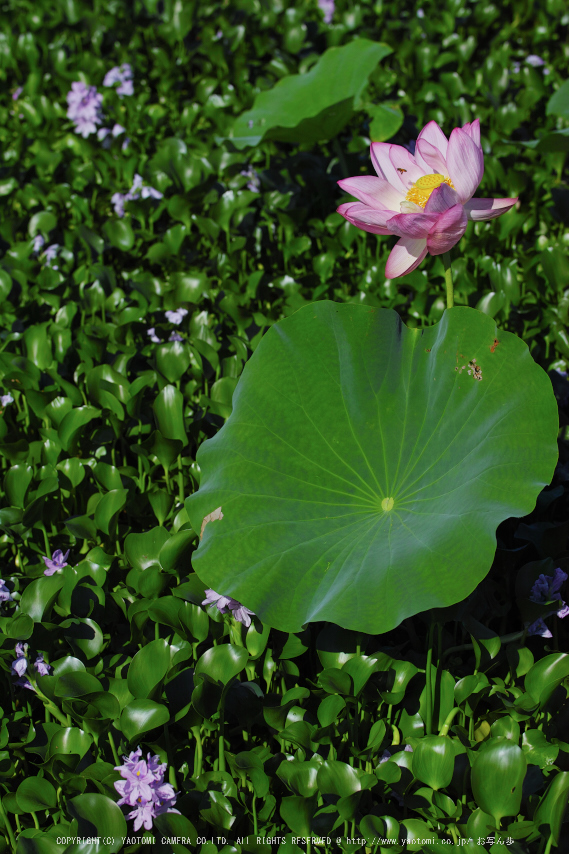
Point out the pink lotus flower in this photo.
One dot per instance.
(425, 198)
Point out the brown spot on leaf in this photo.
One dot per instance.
(211, 517)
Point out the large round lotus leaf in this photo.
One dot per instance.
(365, 467)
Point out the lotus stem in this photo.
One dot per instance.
(448, 279)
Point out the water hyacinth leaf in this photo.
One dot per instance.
(142, 716)
(39, 596)
(558, 104)
(73, 422)
(16, 482)
(35, 793)
(553, 805)
(433, 761)
(148, 668)
(170, 824)
(84, 636)
(97, 815)
(173, 360)
(77, 684)
(108, 509)
(169, 413)
(497, 775)
(330, 708)
(386, 119)
(546, 675)
(297, 813)
(222, 663)
(300, 777)
(38, 345)
(82, 527)
(312, 106)
(143, 550)
(337, 778)
(69, 741)
(119, 233)
(174, 555)
(359, 451)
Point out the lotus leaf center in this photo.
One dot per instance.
(422, 188)
(387, 504)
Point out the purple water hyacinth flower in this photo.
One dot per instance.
(136, 784)
(254, 184)
(118, 200)
(19, 666)
(143, 788)
(175, 337)
(143, 814)
(5, 399)
(241, 613)
(384, 757)
(546, 588)
(121, 74)
(327, 6)
(227, 605)
(157, 769)
(176, 316)
(535, 61)
(38, 242)
(137, 191)
(213, 598)
(17, 92)
(41, 665)
(124, 146)
(56, 563)
(85, 105)
(50, 254)
(420, 13)
(152, 335)
(5, 595)
(145, 192)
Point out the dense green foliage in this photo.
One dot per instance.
(265, 732)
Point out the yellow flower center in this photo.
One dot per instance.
(422, 189)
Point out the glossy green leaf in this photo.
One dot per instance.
(108, 509)
(346, 477)
(169, 413)
(141, 716)
(16, 482)
(39, 595)
(35, 793)
(553, 806)
(98, 815)
(497, 776)
(386, 119)
(173, 360)
(558, 104)
(312, 106)
(119, 233)
(433, 761)
(222, 663)
(143, 550)
(546, 675)
(148, 668)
